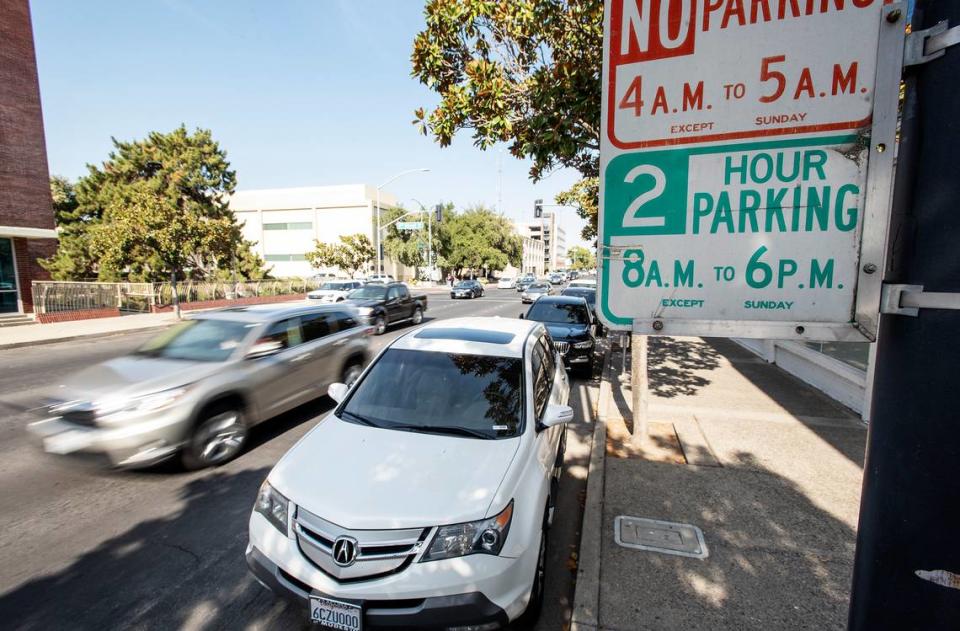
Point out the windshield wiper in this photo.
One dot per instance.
(453, 430)
(357, 418)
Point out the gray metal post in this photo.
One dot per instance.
(638, 386)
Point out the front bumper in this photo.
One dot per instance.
(135, 443)
(434, 612)
(578, 355)
(472, 590)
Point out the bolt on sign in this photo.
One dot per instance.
(734, 165)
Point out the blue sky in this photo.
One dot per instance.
(299, 93)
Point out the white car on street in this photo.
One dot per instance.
(334, 291)
(424, 499)
(507, 282)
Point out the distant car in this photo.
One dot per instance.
(196, 389)
(571, 325)
(507, 282)
(382, 305)
(556, 278)
(334, 291)
(381, 279)
(535, 291)
(589, 283)
(572, 274)
(526, 281)
(467, 289)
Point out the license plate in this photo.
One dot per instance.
(66, 442)
(334, 614)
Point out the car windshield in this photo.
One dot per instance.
(464, 284)
(198, 340)
(444, 393)
(587, 294)
(334, 286)
(369, 292)
(558, 313)
(539, 286)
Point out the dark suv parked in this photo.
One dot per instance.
(571, 326)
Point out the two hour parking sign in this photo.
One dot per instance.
(734, 165)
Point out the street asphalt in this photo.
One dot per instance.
(82, 547)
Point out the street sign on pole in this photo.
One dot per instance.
(734, 169)
(409, 225)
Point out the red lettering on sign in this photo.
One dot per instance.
(641, 30)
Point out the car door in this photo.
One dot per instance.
(550, 387)
(323, 346)
(278, 381)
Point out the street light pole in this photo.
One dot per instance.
(379, 244)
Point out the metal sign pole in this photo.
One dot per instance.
(907, 564)
(639, 387)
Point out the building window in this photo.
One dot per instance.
(277, 258)
(854, 354)
(290, 225)
(8, 279)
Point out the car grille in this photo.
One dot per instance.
(381, 552)
(78, 413)
(562, 347)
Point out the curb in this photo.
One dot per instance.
(586, 596)
(71, 338)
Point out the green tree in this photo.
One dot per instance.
(525, 72)
(581, 258)
(73, 260)
(482, 241)
(179, 177)
(353, 252)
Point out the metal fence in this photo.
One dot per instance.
(61, 296)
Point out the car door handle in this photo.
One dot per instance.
(339, 343)
(301, 357)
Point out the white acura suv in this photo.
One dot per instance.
(423, 500)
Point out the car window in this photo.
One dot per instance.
(287, 332)
(551, 354)
(559, 313)
(447, 393)
(393, 292)
(344, 321)
(316, 326)
(198, 340)
(368, 292)
(542, 383)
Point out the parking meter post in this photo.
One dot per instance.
(906, 571)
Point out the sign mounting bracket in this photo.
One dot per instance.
(929, 44)
(909, 299)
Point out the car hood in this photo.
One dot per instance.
(130, 376)
(362, 477)
(365, 302)
(327, 292)
(567, 331)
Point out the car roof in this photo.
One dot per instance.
(578, 290)
(501, 337)
(264, 313)
(562, 300)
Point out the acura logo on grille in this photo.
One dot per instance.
(345, 551)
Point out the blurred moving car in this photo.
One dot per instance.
(571, 326)
(382, 279)
(556, 278)
(507, 282)
(525, 281)
(424, 500)
(196, 389)
(534, 291)
(383, 305)
(334, 291)
(467, 289)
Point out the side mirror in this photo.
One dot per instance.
(556, 415)
(338, 391)
(264, 349)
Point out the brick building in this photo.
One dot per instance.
(26, 211)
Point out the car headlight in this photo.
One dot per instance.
(145, 403)
(272, 505)
(364, 311)
(476, 537)
(586, 344)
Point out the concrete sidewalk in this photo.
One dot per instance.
(767, 467)
(34, 334)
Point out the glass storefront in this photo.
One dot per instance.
(854, 354)
(8, 278)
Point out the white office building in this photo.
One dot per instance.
(284, 223)
(554, 238)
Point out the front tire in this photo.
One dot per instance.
(417, 316)
(351, 373)
(380, 325)
(218, 437)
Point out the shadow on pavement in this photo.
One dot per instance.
(673, 365)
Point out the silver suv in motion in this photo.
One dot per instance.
(195, 389)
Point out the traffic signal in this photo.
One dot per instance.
(438, 213)
(537, 208)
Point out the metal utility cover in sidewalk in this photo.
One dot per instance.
(660, 536)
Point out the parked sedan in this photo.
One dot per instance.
(536, 290)
(195, 390)
(424, 500)
(571, 326)
(467, 289)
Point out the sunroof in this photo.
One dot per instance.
(467, 335)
